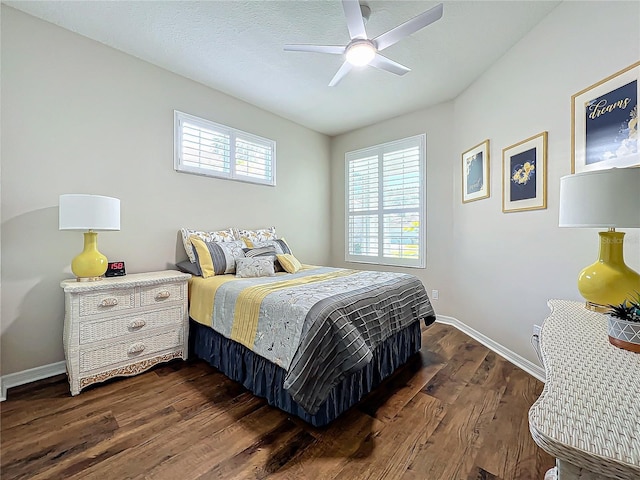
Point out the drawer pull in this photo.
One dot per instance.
(137, 323)
(109, 302)
(163, 295)
(135, 348)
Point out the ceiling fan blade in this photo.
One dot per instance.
(355, 23)
(344, 69)
(383, 63)
(333, 49)
(407, 28)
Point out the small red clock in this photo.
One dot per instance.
(115, 269)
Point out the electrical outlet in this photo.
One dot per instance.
(435, 294)
(537, 329)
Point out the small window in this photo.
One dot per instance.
(207, 148)
(385, 203)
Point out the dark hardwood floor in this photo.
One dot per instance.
(457, 411)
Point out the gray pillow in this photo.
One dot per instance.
(187, 267)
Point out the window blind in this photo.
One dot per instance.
(386, 203)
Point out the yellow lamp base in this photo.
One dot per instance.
(608, 281)
(89, 265)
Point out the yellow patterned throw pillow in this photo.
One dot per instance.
(216, 258)
(289, 262)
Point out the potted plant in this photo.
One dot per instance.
(624, 324)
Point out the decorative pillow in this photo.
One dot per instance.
(219, 236)
(280, 245)
(254, 267)
(289, 262)
(217, 258)
(260, 235)
(268, 251)
(187, 267)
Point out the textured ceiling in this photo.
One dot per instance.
(237, 47)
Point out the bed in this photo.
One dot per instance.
(314, 342)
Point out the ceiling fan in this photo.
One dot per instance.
(362, 50)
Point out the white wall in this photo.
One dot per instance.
(79, 117)
(437, 123)
(495, 271)
(509, 264)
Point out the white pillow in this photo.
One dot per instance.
(259, 235)
(254, 267)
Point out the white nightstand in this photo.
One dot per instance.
(124, 325)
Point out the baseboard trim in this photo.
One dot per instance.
(521, 362)
(46, 371)
(27, 376)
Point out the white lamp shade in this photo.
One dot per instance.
(89, 212)
(601, 198)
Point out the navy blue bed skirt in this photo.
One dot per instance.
(265, 379)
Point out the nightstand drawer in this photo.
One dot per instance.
(105, 302)
(129, 324)
(130, 350)
(161, 294)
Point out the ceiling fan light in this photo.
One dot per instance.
(360, 54)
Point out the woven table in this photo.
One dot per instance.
(588, 415)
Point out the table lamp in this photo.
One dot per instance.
(604, 199)
(89, 212)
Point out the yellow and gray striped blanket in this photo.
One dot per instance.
(319, 324)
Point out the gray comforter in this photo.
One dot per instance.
(323, 324)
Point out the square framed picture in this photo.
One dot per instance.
(524, 175)
(604, 123)
(475, 173)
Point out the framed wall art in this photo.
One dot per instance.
(524, 175)
(604, 123)
(475, 173)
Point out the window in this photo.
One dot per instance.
(385, 207)
(206, 148)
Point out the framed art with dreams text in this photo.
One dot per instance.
(604, 123)
(524, 175)
(475, 173)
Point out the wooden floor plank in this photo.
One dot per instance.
(396, 444)
(395, 393)
(336, 444)
(50, 446)
(458, 432)
(447, 384)
(155, 423)
(456, 411)
(264, 457)
(174, 442)
(235, 438)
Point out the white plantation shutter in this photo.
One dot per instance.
(204, 148)
(254, 157)
(363, 202)
(207, 148)
(385, 217)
